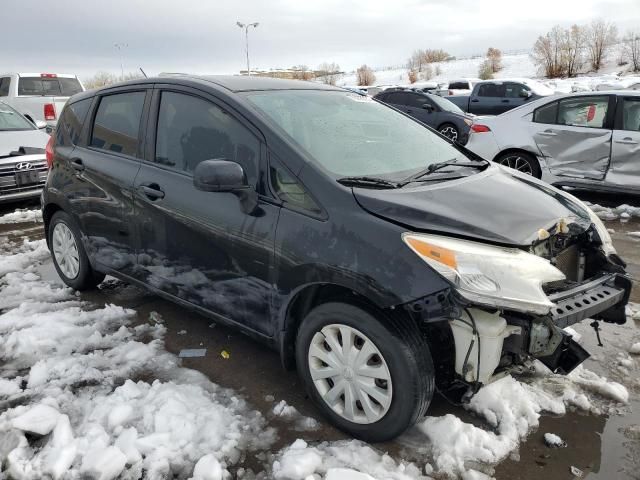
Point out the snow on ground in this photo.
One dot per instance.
(291, 414)
(84, 392)
(622, 212)
(22, 216)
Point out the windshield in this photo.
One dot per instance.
(12, 120)
(351, 135)
(64, 87)
(446, 105)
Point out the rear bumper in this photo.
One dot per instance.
(594, 299)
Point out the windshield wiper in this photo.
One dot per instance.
(367, 182)
(434, 167)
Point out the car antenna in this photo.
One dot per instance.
(145, 75)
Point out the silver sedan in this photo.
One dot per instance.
(585, 140)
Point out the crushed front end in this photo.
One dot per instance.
(508, 306)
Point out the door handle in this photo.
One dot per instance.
(627, 141)
(548, 133)
(409, 110)
(76, 164)
(475, 100)
(505, 101)
(151, 191)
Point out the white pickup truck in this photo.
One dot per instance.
(39, 96)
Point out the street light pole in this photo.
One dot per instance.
(246, 37)
(120, 46)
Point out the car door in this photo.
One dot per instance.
(625, 148)
(103, 171)
(516, 94)
(207, 248)
(574, 135)
(421, 108)
(488, 100)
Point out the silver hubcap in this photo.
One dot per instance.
(350, 374)
(450, 132)
(517, 162)
(65, 250)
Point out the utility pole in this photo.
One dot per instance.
(246, 36)
(119, 47)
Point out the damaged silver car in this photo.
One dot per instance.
(586, 140)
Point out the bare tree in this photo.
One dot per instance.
(435, 55)
(329, 72)
(600, 35)
(413, 76)
(416, 61)
(547, 53)
(426, 73)
(301, 72)
(485, 72)
(494, 58)
(365, 76)
(572, 50)
(100, 79)
(632, 49)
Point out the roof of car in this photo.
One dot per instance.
(243, 83)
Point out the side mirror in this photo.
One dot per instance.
(428, 107)
(41, 124)
(526, 93)
(219, 176)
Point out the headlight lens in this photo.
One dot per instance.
(488, 275)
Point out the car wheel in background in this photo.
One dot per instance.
(450, 131)
(521, 161)
(372, 377)
(69, 256)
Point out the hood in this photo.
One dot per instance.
(10, 141)
(495, 206)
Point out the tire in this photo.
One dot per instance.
(399, 353)
(69, 255)
(450, 131)
(522, 161)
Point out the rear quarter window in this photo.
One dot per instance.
(546, 114)
(70, 125)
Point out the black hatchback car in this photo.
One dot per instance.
(433, 110)
(378, 258)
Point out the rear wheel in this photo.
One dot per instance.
(372, 377)
(521, 161)
(450, 131)
(69, 257)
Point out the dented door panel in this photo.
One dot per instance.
(579, 152)
(625, 149)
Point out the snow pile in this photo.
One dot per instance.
(622, 212)
(87, 394)
(299, 461)
(290, 413)
(22, 215)
(635, 349)
(553, 440)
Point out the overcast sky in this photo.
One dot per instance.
(201, 36)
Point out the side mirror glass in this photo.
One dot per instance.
(219, 175)
(41, 124)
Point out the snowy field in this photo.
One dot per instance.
(517, 65)
(89, 390)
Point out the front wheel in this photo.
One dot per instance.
(450, 131)
(373, 377)
(69, 256)
(521, 161)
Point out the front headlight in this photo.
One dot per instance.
(488, 275)
(603, 233)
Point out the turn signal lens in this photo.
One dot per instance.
(479, 128)
(434, 252)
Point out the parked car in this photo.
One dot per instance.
(587, 140)
(433, 110)
(38, 96)
(462, 86)
(23, 168)
(493, 97)
(376, 256)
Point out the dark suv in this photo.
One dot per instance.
(433, 110)
(377, 257)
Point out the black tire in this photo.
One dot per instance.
(87, 278)
(450, 131)
(522, 161)
(405, 352)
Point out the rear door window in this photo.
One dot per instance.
(191, 129)
(62, 87)
(4, 86)
(416, 100)
(397, 98)
(631, 114)
(583, 111)
(491, 90)
(117, 123)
